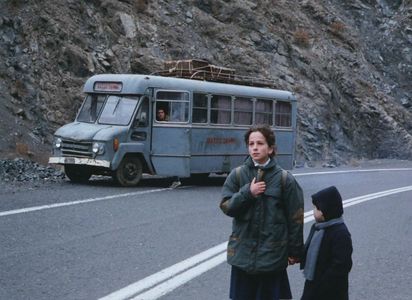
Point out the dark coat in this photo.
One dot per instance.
(266, 229)
(332, 267)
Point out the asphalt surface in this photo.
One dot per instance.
(113, 236)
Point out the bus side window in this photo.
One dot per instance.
(264, 112)
(283, 114)
(199, 114)
(179, 112)
(175, 106)
(220, 111)
(243, 111)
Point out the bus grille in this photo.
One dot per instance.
(77, 149)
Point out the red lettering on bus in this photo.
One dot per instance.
(220, 141)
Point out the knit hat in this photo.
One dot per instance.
(329, 202)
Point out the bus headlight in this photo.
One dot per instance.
(58, 143)
(98, 148)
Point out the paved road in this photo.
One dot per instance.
(87, 241)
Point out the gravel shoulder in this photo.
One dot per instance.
(20, 174)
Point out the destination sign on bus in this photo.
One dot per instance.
(108, 86)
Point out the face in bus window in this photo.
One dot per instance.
(161, 115)
(258, 147)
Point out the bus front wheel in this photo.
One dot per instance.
(129, 171)
(78, 174)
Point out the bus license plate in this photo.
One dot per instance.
(69, 160)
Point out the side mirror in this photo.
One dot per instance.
(140, 120)
(143, 118)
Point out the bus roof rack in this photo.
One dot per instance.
(202, 70)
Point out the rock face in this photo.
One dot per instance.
(349, 63)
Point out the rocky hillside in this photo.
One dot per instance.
(349, 63)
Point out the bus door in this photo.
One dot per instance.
(140, 130)
(171, 133)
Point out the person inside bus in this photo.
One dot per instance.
(266, 204)
(162, 115)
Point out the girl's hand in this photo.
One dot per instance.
(257, 188)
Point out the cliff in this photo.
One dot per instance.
(349, 63)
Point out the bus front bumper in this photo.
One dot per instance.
(79, 161)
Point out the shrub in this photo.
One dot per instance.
(337, 27)
(301, 37)
(22, 149)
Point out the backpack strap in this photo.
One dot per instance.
(284, 176)
(224, 202)
(237, 170)
(283, 181)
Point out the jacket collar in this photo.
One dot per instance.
(271, 164)
(258, 165)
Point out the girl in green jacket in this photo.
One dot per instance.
(266, 204)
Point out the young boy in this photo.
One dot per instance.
(328, 250)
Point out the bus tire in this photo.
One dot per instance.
(78, 174)
(129, 171)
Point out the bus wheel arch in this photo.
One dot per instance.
(130, 170)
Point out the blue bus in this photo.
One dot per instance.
(132, 124)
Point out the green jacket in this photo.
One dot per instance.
(266, 229)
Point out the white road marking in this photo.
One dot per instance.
(173, 283)
(35, 208)
(165, 281)
(364, 198)
(352, 171)
(164, 274)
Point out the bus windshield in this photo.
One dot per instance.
(91, 108)
(118, 110)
